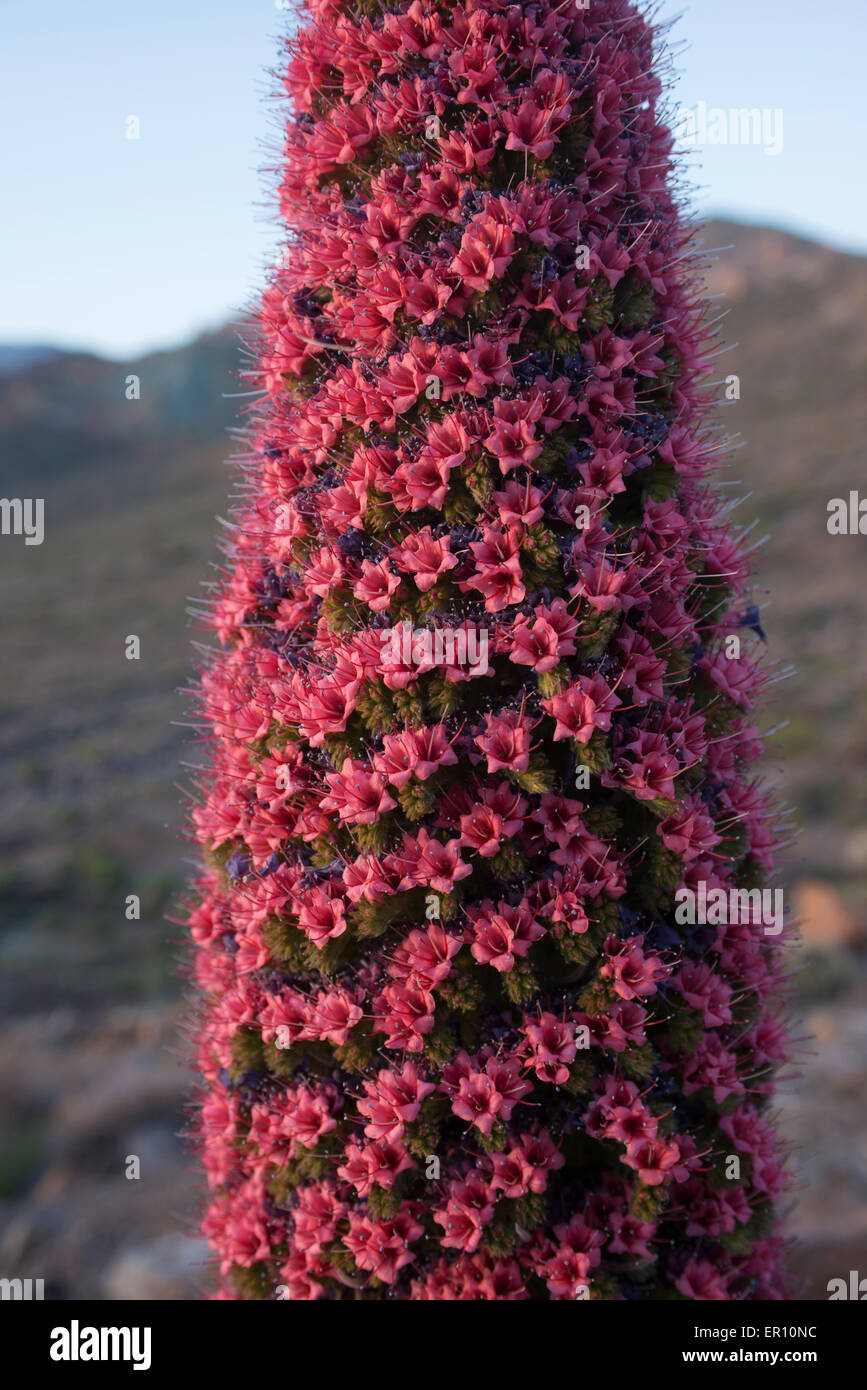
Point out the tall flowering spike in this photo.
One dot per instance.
(491, 1000)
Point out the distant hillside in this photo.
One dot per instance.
(797, 323)
(89, 751)
(91, 758)
(68, 419)
(15, 357)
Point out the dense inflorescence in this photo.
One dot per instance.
(478, 716)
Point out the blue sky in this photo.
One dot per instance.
(119, 246)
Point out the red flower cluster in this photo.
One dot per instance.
(453, 1041)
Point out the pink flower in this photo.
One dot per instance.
(425, 956)
(392, 1102)
(466, 1213)
(632, 972)
(584, 707)
(317, 1214)
(484, 1096)
(425, 557)
(478, 1101)
(307, 1115)
(499, 935)
(335, 1013)
(483, 831)
(646, 767)
(705, 991)
(440, 863)
(368, 1166)
(398, 760)
(652, 1159)
(324, 708)
(498, 569)
(356, 794)
(702, 1281)
(525, 1166)
(552, 1047)
(630, 1235)
(485, 252)
(519, 506)
(382, 1247)
(506, 741)
(531, 128)
(405, 1012)
(535, 645)
(376, 586)
(513, 437)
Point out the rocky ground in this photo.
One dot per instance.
(93, 1093)
(824, 1108)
